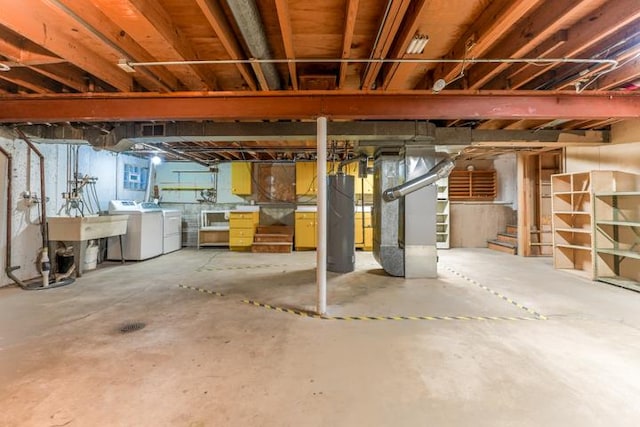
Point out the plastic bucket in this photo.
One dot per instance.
(90, 257)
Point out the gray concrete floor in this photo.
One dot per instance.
(205, 360)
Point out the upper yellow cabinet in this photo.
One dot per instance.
(362, 185)
(306, 182)
(241, 178)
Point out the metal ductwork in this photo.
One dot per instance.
(439, 171)
(404, 209)
(248, 19)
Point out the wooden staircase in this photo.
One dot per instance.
(506, 242)
(273, 239)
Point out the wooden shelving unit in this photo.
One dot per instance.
(596, 225)
(472, 185)
(443, 219)
(617, 233)
(572, 222)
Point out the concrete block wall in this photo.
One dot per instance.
(26, 236)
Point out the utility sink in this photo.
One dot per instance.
(76, 229)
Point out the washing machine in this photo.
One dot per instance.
(145, 233)
(172, 230)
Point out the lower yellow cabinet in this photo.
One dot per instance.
(305, 230)
(363, 236)
(242, 227)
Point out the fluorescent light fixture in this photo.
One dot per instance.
(156, 160)
(124, 65)
(417, 44)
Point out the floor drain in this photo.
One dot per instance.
(131, 327)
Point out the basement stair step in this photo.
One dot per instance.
(512, 229)
(500, 246)
(265, 238)
(274, 229)
(272, 247)
(508, 238)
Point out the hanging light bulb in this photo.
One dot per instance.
(156, 160)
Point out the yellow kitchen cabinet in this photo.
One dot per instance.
(306, 183)
(306, 177)
(364, 240)
(305, 230)
(352, 169)
(242, 227)
(241, 178)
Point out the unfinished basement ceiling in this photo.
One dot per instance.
(501, 64)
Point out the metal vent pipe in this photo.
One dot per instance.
(248, 19)
(441, 170)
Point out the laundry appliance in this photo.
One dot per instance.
(145, 233)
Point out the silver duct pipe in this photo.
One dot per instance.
(248, 19)
(441, 170)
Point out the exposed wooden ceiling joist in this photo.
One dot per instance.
(347, 38)
(547, 24)
(31, 82)
(408, 31)
(611, 17)
(488, 29)
(63, 74)
(218, 21)
(49, 27)
(98, 23)
(391, 21)
(149, 24)
(284, 19)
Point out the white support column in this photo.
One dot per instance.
(321, 251)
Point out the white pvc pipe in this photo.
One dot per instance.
(321, 251)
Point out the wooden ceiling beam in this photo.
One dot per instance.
(12, 47)
(574, 124)
(105, 30)
(590, 30)
(485, 32)
(262, 80)
(33, 82)
(218, 21)
(284, 18)
(571, 77)
(541, 51)
(47, 26)
(627, 73)
(493, 124)
(347, 38)
(389, 28)
(409, 29)
(546, 24)
(149, 24)
(70, 77)
(525, 124)
(413, 105)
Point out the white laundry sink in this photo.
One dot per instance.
(86, 228)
